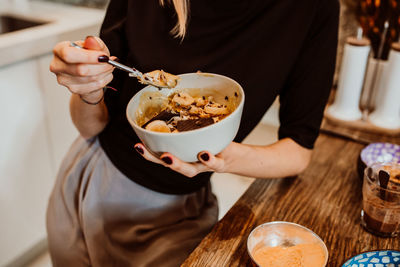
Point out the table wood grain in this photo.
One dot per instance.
(326, 198)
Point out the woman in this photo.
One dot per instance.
(114, 206)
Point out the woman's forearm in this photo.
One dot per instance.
(90, 120)
(281, 159)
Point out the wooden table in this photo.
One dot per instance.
(326, 198)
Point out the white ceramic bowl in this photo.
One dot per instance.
(186, 145)
(281, 233)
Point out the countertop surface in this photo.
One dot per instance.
(63, 21)
(326, 198)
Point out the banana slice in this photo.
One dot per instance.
(158, 126)
(183, 99)
(216, 109)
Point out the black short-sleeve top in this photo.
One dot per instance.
(272, 48)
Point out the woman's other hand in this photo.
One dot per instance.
(207, 161)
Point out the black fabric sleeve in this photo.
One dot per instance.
(113, 34)
(304, 96)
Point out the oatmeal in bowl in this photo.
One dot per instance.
(202, 112)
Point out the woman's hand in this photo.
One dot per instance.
(79, 69)
(207, 161)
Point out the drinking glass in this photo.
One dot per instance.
(380, 214)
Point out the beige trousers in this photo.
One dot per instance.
(98, 217)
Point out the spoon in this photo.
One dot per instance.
(143, 78)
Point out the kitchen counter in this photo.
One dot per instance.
(64, 22)
(326, 198)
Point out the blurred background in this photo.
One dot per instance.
(36, 130)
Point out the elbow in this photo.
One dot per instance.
(87, 136)
(92, 131)
(303, 161)
(294, 158)
(303, 165)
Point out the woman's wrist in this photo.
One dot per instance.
(93, 98)
(232, 155)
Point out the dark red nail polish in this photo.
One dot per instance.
(167, 160)
(103, 58)
(205, 157)
(139, 150)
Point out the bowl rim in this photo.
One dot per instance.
(237, 109)
(368, 251)
(293, 224)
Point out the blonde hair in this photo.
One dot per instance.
(182, 11)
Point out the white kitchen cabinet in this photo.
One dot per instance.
(26, 163)
(35, 127)
(56, 103)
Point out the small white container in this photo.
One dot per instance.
(387, 111)
(355, 57)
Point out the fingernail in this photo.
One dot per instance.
(205, 156)
(103, 58)
(89, 36)
(139, 150)
(167, 160)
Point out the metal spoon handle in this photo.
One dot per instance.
(133, 72)
(143, 78)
